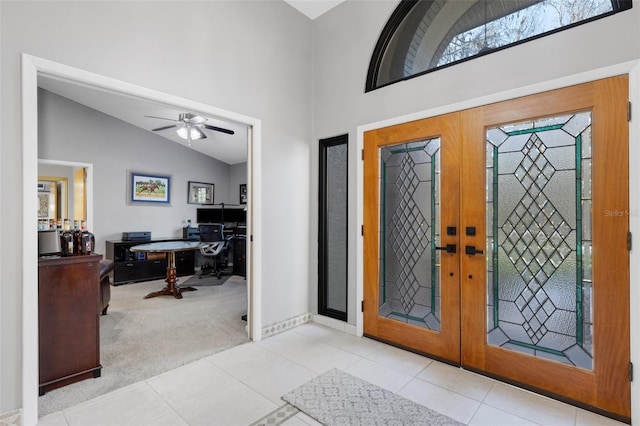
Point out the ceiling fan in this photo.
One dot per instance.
(190, 126)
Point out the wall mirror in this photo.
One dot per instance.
(62, 190)
(53, 197)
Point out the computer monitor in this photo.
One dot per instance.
(236, 215)
(219, 215)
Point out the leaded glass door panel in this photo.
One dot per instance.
(409, 218)
(412, 203)
(539, 237)
(540, 174)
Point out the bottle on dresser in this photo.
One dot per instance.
(77, 241)
(66, 243)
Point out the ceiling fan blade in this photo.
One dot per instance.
(202, 135)
(160, 118)
(165, 127)
(219, 129)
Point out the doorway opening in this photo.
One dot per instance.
(32, 67)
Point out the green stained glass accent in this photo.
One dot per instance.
(537, 233)
(534, 130)
(409, 228)
(578, 154)
(494, 255)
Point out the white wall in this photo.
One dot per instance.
(250, 57)
(69, 131)
(4, 316)
(343, 40)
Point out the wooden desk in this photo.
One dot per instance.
(169, 247)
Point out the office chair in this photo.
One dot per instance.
(216, 247)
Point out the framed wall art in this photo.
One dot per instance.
(200, 193)
(148, 188)
(243, 193)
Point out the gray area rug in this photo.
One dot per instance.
(141, 338)
(338, 398)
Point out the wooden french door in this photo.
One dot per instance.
(412, 192)
(496, 238)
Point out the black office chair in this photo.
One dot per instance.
(215, 246)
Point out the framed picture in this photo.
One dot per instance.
(243, 193)
(200, 193)
(147, 188)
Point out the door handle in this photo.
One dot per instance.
(472, 250)
(449, 248)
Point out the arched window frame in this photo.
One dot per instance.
(405, 7)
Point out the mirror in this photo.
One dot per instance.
(53, 196)
(62, 192)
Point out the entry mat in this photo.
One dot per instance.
(337, 398)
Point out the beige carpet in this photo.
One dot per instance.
(140, 338)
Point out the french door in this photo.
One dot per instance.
(496, 238)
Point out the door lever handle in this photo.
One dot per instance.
(449, 248)
(472, 250)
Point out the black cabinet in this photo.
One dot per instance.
(185, 262)
(132, 266)
(240, 255)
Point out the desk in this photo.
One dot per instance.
(169, 247)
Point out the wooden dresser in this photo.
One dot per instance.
(69, 332)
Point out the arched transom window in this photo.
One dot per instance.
(425, 35)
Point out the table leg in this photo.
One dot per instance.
(171, 289)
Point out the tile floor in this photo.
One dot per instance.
(243, 384)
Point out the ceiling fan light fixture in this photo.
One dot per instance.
(189, 133)
(189, 126)
(187, 117)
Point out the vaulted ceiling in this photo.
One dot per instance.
(230, 149)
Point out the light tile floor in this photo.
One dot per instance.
(243, 384)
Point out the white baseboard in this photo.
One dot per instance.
(284, 325)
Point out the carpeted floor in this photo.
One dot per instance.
(140, 338)
(198, 280)
(336, 398)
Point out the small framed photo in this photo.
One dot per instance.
(148, 188)
(243, 193)
(200, 193)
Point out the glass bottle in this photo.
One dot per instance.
(77, 241)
